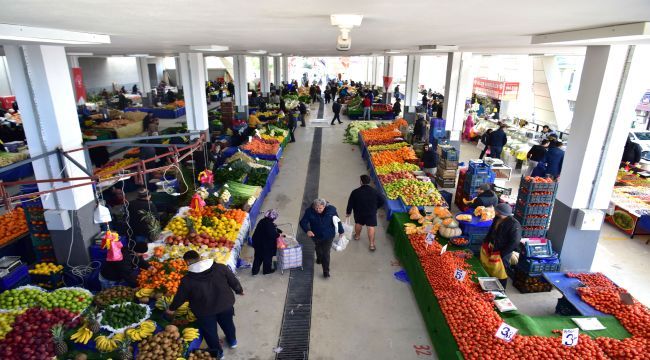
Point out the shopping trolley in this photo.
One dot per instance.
(289, 257)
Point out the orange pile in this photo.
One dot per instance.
(473, 320)
(236, 214)
(163, 276)
(399, 156)
(12, 224)
(257, 146)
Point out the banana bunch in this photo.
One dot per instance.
(190, 334)
(105, 344)
(119, 337)
(144, 331)
(144, 293)
(183, 309)
(190, 316)
(83, 335)
(163, 302)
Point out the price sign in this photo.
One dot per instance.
(429, 239)
(506, 332)
(444, 250)
(226, 186)
(250, 138)
(229, 168)
(570, 337)
(460, 274)
(257, 133)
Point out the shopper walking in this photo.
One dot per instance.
(302, 108)
(265, 240)
(485, 197)
(485, 140)
(292, 124)
(502, 239)
(498, 140)
(396, 93)
(328, 95)
(318, 223)
(554, 159)
(208, 287)
(367, 107)
(469, 125)
(364, 202)
(397, 107)
(336, 108)
(535, 155)
(419, 129)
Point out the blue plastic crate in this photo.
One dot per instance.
(449, 154)
(535, 197)
(438, 124)
(530, 221)
(539, 265)
(533, 233)
(525, 210)
(531, 186)
(437, 133)
(19, 276)
(537, 248)
(478, 168)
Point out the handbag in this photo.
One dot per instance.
(491, 261)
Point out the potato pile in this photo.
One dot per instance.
(166, 345)
(200, 355)
(114, 295)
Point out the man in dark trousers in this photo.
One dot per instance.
(485, 140)
(485, 197)
(498, 140)
(209, 286)
(504, 235)
(364, 201)
(554, 159)
(318, 223)
(397, 107)
(292, 124)
(535, 155)
(336, 108)
(139, 209)
(125, 270)
(303, 112)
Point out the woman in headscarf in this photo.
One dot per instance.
(265, 242)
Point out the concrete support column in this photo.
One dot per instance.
(458, 88)
(388, 71)
(143, 75)
(265, 85)
(179, 76)
(205, 71)
(277, 71)
(241, 87)
(412, 84)
(285, 69)
(613, 80)
(41, 82)
(73, 61)
(193, 70)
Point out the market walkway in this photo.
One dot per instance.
(361, 312)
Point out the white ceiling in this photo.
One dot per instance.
(300, 27)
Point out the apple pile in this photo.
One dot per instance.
(199, 239)
(31, 337)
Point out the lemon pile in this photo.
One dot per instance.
(46, 269)
(178, 226)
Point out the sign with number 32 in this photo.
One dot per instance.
(506, 332)
(570, 337)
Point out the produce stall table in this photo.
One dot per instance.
(436, 323)
(129, 130)
(567, 286)
(631, 210)
(160, 112)
(274, 157)
(20, 172)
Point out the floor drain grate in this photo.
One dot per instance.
(296, 320)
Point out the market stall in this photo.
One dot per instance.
(630, 204)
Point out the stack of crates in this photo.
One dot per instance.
(447, 166)
(478, 173)
(475, 233)
(536, 256)
(38, 232)
(437, 130)
(534, 206)
(527, 283)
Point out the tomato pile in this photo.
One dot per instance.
(474, 321)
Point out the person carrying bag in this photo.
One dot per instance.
(500, 242)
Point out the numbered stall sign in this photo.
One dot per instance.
(506, 332)
(429, 239)
(460, 274)
(570, 337)
(443, 250)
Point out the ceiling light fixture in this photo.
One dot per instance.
(257, 52)
(608, 34)
(79, 54)
(345, 23)
(138, 55)
(392, 51)
(209, 48)
(45, 35)
(439, 47)
(275, 54)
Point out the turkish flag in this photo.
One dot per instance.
(79, 88)
(387, 81)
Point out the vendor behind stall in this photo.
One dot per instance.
(141, 213)
(126, 269)
(486, 197)
(502, 239)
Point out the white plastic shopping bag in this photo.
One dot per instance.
(348, 229)
(340, 242)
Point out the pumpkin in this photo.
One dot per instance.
(448, 232)
(437, 220)
(450, 223)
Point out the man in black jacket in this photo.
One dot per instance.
(485, 140)
(504, 235)
(208, 287)
(336, 108)
(535, 155)
(125, 270)
(364, 201)
(397, 107)
(303, 112)
(498, 140)
(485, 197)
(631, 153)
(430, 160)
(139, 209)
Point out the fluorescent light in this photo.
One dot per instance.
(45, 35)
(139, 55)
(275, 54)
(608, 34)
(209, 48)
(117, 56)
(257, 52)
(347, 21)
(392, 51)
(439, 47)
(80, 54)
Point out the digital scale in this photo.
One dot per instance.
(490, 284)
(8, 264)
